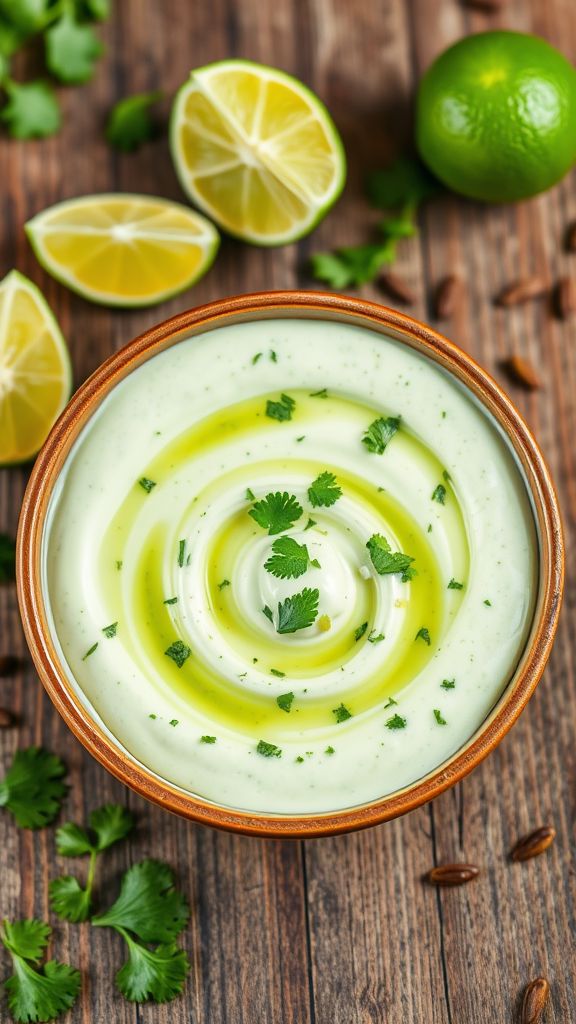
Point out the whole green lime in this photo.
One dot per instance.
(496, 116)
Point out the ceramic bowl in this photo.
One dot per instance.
(304, 305)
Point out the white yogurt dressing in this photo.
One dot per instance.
(483, 536)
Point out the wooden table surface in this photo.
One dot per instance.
(333, 931)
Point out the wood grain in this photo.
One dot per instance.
(337, 931)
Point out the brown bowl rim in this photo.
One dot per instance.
(262, 305)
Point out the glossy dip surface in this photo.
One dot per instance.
(167, 617)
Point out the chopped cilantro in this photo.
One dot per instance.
(179, 652)
(448, 684)
(153, 716)
(438, 716)
(359, 632)
(388, 562)
(423, 634)
(488, 603)
(277, 672)
(181, 552)
(250, 496)
(170, 600)
(119, 565)
(276, 512)
(376, 638)
(324, 491)
(310, 524)
(268, 613)
(439, 494)
(319, 394)
(207, 739)
(289, 559)
(173, 722)
(90, 651)
(130, 122)
(281, 410)
(380, 433)
(111, 630)
(301, 438)
(285, 700)
(298, 611)
(429, 530)
(146, 484)
(256, 357)
(268, 749)
(390, 703)
(454, 585)
(396, 722)
(272, 356)
(330, 750)
(224, 583)
(299, 759)
(341, 713)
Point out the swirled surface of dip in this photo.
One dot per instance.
(291, 565)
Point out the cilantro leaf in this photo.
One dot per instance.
(32, 110)
(423, 634)
(359, 632)
(351, 265)
(324, 491)
(35, 995)
(7, 559)
(404, 182)
(396, 722)
(32, 788)
(268, 749)
(289, 560)
(387, 562)
(148, 905)
(130, 122)
(110, 824)
(438, 716)
(94, 10)
(455, 585)
(448, 684)
(72, 840)
(111, 630)
(157, 974)
(298, 611)
(26, 16)
(146, 484)
(179, 652)
(72, 50)
(341, 713)
(285, 701)
(380, 433)
(276, 512)
(439, 494)
(69, 900)
(281, 410)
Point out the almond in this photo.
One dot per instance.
(452, 874)
(534, 843)
(522, 290)
(536, 997)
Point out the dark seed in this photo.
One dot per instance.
(565, 297)
(9, 664)
(534, 843)
(397, 288)
(452, 874)
(6, 718)
(571, 237)
(535, 999)
(522, 372)
(448, 297)
(522, 290)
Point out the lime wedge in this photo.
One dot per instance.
(35, 375)
(122, 249)
(256, 150)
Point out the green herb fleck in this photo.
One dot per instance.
(268, 613)
(273, 356)
(299, 759)
(324, 491)
(429, 530)
(119, 565)
(281, 410)
(359, 632)
(224, 583)
(170, 600)
(380, 433)
(277, 672)
(90, 651)
(181, 553)
(146, 484)
(396, 722)
(488, 603)
(289, 559)
(179, 652)
(454, 585)
(448, 684)
(256, 358)
(330, 750)
(438, 716)
(341, 713)
(376, 638)
(111, 630)
(173, 722)
(310, 524)
(207, 739)
(388, 562)
(153, 716)
(423, 634)
(276, 512)
(250, 496)
(284, 701)
(268, 749)
(130, 122)
(298, 611)
(439, 494)
(390, 703)
(319, 394)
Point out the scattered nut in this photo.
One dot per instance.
(452, 874)
(535, 999)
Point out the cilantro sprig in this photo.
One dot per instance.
(380, 433)
(401, 187)
(388, 562)
(289, 559)
(107, 826)
(149, 914)
(36, 993)
(282, 409)
(298, 611)
(276, 512)
(130, 122)
(32, 789)
(324, 491)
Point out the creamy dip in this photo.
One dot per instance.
(304, 676)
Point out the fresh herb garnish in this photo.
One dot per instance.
(330, 750)
(170, 600)
(276, 512)
(310, 524)
(119, 565)
(380, 433)
(289, 559)
(448, 684)
(36, 993)
(376, 638)
(319, 394)
(390, 703)
(130, 122)
(32, 110)
(423, 634)
(179, 652)
(250, 494)
(277, 672)
(224, 583)
(256, 357)
(298, 611)
(299, 759)
(107, 825)
(146, 484)
(268, 613)
(90, 651)
(268, 749)
(454, 585)
(32, 789)
(272, 356)
(341, 713)
(488, 603)
(207, 739)
(111, 630)
(285, 700)
(396, 722)
(181, 552)
(281, 410)
(439, 494)
(324, 491)
(173, 722)
(438, 716)
(72, 49)
(7, 559)
(149, 914)
(359, 632)
(387, 562)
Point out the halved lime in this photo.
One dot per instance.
(35, 374)
(123, 249)
(256, 150)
